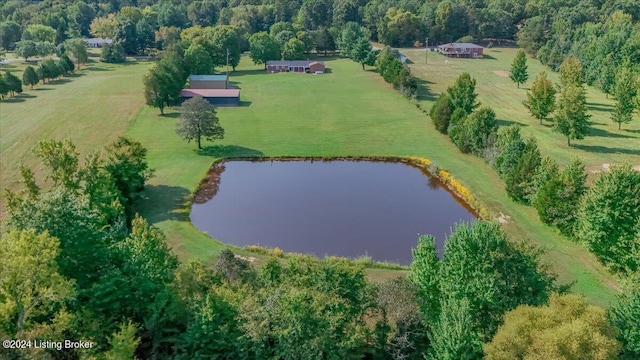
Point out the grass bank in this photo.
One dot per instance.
(346, 112)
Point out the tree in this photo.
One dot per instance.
(67, 64)
(349, 35)
(13, 82)
(40, 33)
(557, 200)
(362, 52)
(315, 14)
(198, 119)
(4, 88)
(224, 40)
(607, 75)
(126, 162)
(462, 93)
(203, 13)
(518, 180)
(167, 36)
(440, 113)
(44, 48)
(541, 100)
(78, 49)
(625, 315)
(198, 60)
(625, 91)
(481, 276)
(26, 49)
(30, 77)
(567, 328)
(162, 85)
(519, 73)
(32, 290)
(145, 35)
(401, 28)
(113, 53)
(608, 216)
(293, 50)
(123, 343)
(127, 37)
(471, 133)
(9, 34)
(571, 72)
(263, 47)
(571, 118)
(104, 27)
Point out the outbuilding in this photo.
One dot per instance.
(217, 97)
(461, 50)
(97, 42)
(208, 82)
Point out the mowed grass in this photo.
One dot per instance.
(605, 143)
(91, 107)
(346, 112)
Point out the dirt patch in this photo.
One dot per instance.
(245, 258)
(636, 168)
(501, 73)
(503, 219)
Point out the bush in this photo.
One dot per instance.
(471, 134)
(519, 181)
(113, 53)
(441, 113)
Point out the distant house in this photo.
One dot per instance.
(218, 97)
(208, 82)
(300, 66)
(97, 42)
(461, 50)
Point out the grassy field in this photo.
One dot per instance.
(91, 107)
(345, 112)
(605, 144)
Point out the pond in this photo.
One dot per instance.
(340, 208)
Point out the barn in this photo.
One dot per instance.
(208, 82)
(461, 50)
(217, 97)
(299, 66)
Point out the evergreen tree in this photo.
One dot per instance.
(13, 83)
(571, 118)
(30, 77)
(519, 72)
(625, 315)
(462, 93)
(519, 180)
(541, 99)
(625, 92)
(440, 113)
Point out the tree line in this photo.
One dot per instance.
(78, 263)
(605, 217)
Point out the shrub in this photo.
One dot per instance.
(113, 53)
(441, 113)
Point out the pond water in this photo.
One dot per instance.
(341, 208)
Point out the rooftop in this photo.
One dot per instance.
(304, 63)
(460, 45)
(208, 77)
(208, 93)
(98, 41)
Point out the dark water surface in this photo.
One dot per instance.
(342, 208)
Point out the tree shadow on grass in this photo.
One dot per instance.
(632, 131)
(604, 108)
(486, 56)
(605, 133)
(229, 151)
(245, 103)
(606, 150)
(164, 202)
(504, 122)
(59, 81)
(43, 88)
(424, 91)
(173, 115)
(96, 68)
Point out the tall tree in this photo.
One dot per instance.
(625, 315)
(263, 48)
(567, 328)
(362, 52)
(462, 93)
(541, 99)
(224, 40)
(78, 49)
(9, 34)
(519, 72)
(571, 118)
(26, 49)
(197, 120)
(571, 72)
(162, 85)
(519, 181)
(608, 219)
(198, 60)
(441, 112)
(625, 91)
(14, 83)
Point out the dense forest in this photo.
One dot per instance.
(78, 263)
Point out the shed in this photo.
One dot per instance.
(461, 50)
(208, 82)
(218, 97)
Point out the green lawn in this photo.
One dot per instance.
(605, 145)
(346, 112)
(91, 107)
